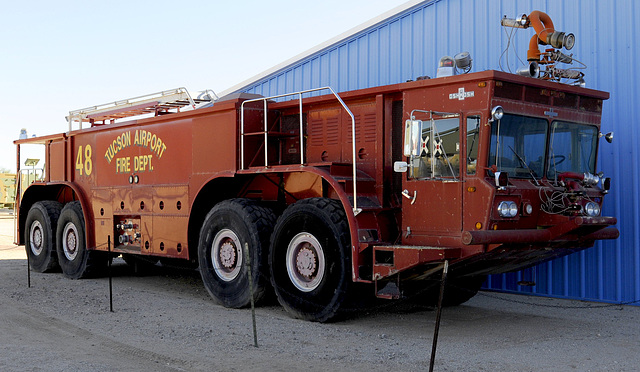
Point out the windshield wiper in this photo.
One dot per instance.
(524, 163)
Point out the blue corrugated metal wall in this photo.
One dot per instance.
(410, 44)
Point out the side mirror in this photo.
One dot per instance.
(608, 137)
(502, 180)
(606, 185)
(412, 137)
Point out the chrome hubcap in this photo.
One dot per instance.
(36, 238)
(226, 255)
(305, 262)
(70, 241)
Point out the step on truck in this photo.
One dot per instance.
(376, 188)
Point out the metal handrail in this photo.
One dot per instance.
(28, 172)
(35, 172)
(356, 210)
(17, 199)
(210, 93)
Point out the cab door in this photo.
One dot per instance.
(432, 203)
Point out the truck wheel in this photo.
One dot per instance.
(310, 259)
(74, 258)
(226, 229)
(40, 242)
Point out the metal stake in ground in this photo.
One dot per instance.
(253, 305)
(28, 271)
(445, 268)
(109, 270)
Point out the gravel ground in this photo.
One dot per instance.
(166, 322)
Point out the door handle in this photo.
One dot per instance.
(405, 193)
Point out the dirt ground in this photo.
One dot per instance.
(166, 322)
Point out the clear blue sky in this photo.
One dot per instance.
(57, 56)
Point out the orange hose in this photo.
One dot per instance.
(543, 26)
(533, 54)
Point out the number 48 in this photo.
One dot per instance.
(84, 164)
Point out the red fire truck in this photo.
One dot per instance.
(490, 171)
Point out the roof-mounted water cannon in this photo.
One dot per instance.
(546, 34)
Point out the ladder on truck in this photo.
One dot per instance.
(155, 103)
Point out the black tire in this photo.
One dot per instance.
(39, 236)
(75, 260)
(456, 291)
(227, 227)
(310, 259)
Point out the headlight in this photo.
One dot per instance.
(503, 209)
(528, 209)
(507, 209)
(513, 210)
(592, 209)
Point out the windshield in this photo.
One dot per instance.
(572, 148)
(518, 145)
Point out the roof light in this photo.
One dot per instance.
(445, 67)
(533, 70)
(496, 113)
(523, 20)
(463, 61)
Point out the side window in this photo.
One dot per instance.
(473, 132)
(438, 150)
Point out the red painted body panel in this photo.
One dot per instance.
(166, 172)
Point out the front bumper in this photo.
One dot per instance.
(576, 230)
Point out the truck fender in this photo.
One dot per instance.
(63, 192)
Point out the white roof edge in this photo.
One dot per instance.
(370, 23)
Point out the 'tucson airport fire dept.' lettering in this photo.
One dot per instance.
(139, 163)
